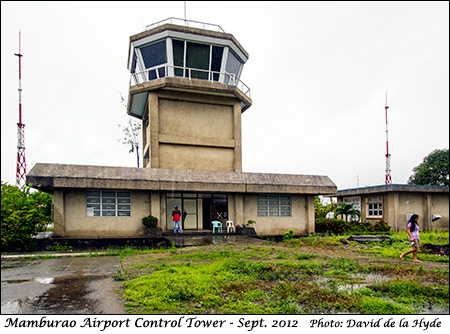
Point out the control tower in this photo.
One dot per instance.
(185, 87)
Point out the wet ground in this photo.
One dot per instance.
(85, 285)
(78, 285)
(64, 285)
(183, 240)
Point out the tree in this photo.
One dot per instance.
(433, 171)
(24, 213)
(321, 210)
(347, 210)
(131, 134)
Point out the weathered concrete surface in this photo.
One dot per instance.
(49, 176)
(65, 285)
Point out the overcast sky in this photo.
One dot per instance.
(318, 74)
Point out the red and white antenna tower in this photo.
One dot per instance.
(388, 177)
(21, 170)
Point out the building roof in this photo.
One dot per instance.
(47, 177)
(392, 188)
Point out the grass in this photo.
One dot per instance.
(298, 276)
(400, 244)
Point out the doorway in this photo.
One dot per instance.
(215, 207)
(198, 210)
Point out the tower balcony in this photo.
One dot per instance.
(161, 71)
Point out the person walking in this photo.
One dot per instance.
(176, 214)
(413, 232)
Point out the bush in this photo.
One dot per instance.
(288, 235)
(340, 226)
(24, 214)
(336, 226)
(150, 222)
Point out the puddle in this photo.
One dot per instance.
(60, 286)
(45, 280)
(66, 296)
(358, 281)
(363, 280)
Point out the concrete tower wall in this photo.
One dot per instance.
(193, 132)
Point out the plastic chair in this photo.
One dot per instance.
(230, 226)
(217, 224)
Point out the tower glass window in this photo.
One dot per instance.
(197, 56)
(233, 66)
(154, 55)
(216, 61)
(178, 57)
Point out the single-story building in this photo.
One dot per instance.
(104, 202)
(395, 203)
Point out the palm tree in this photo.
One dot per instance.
(347, 210)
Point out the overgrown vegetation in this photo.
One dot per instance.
(24, 213)
(351, 223)
(299, 275)
(340, 226)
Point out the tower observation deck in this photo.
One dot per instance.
(185, 86)
(190, 50)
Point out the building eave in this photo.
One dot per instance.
(48, 177)
(391, 188)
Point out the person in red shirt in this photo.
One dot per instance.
(176, 214)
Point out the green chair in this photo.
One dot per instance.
(217, 224)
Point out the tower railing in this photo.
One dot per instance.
(165, 70)
(187, 23)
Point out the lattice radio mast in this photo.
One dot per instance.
(388, 177)
(21, 170)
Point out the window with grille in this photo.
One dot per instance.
(374, 207)
(106, 203)
(274, 205)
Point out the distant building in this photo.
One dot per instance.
(185, 87)
(395, 203)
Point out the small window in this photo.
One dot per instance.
(375, 210)
(105, 203)
(375, 207)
